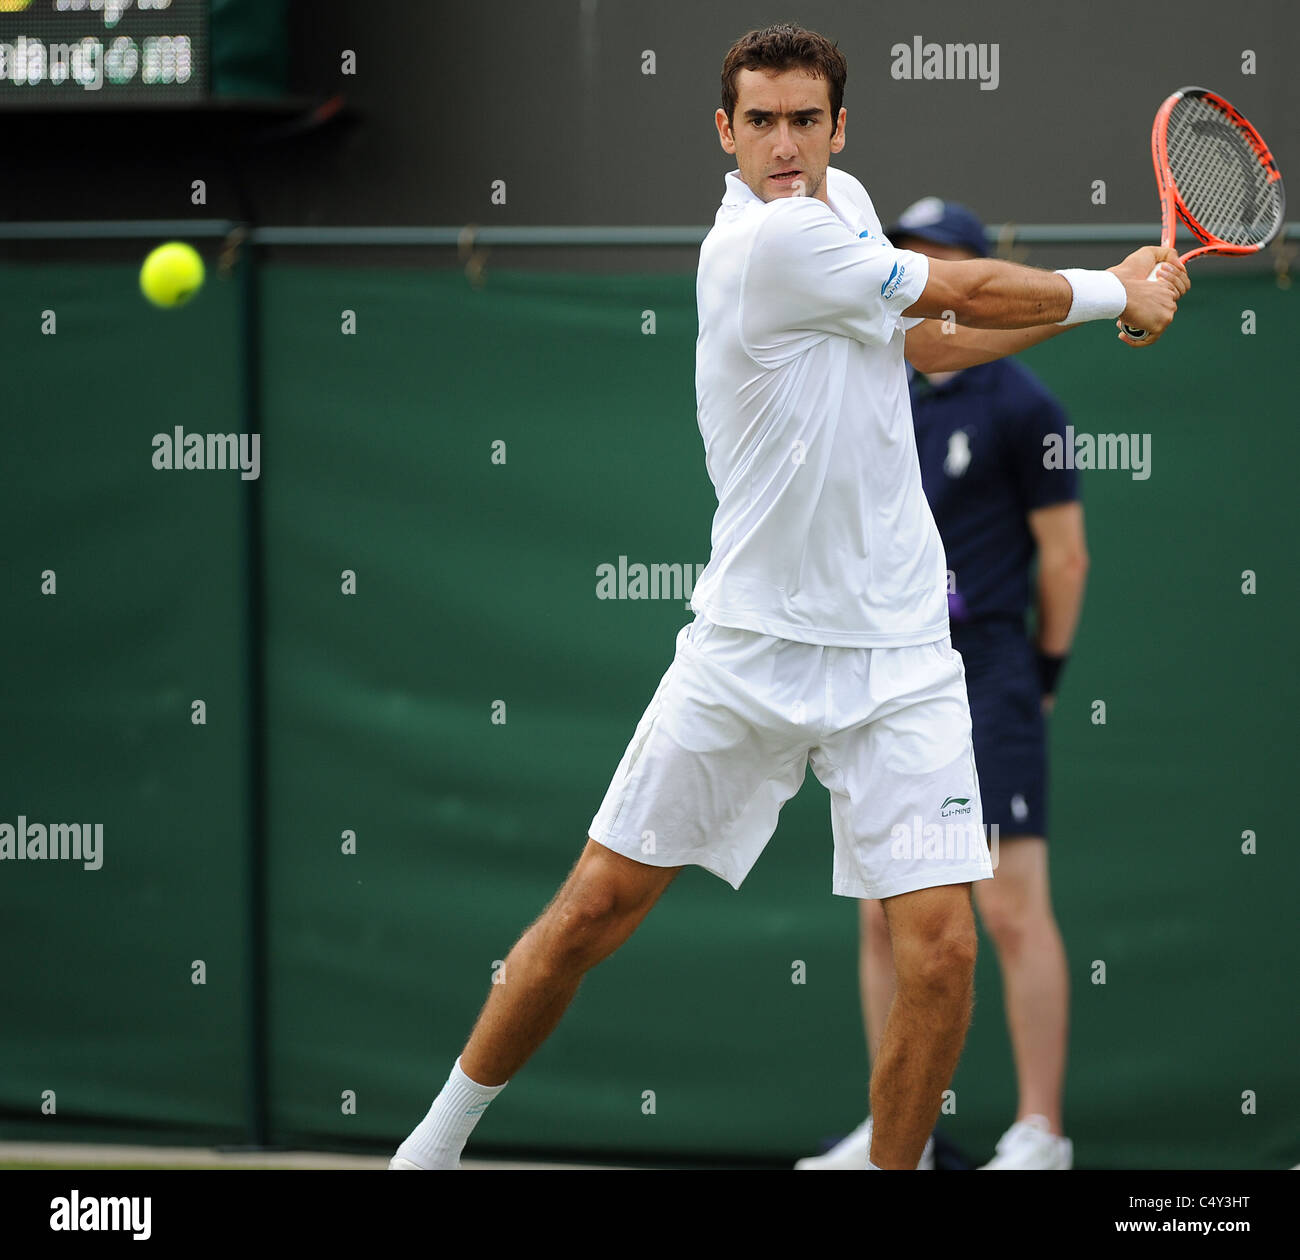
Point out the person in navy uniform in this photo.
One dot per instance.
(979, 439)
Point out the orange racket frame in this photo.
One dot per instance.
(1171, 200)
(1172, 206)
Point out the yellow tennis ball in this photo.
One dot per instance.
(172, 274)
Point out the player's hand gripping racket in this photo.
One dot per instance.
(1214, 171)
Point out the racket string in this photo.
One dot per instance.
(1221, 180)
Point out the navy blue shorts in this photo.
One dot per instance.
(1007, 727)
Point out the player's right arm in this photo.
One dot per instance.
(991, 293)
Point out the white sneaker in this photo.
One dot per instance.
(398, 1164)
(852, 1152)
(1030, 1143)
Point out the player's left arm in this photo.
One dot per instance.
(944, 345)
(1062, 574)
(937, 345)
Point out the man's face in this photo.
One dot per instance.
(783, 136)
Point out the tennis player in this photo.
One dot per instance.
(821, 621)
(979, 437)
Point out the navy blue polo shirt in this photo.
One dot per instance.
(979, 438)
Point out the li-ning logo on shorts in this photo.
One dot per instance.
(890, 287)
(959, 805)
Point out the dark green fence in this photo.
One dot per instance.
(475, 582)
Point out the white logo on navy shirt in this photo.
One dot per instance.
(958, 458)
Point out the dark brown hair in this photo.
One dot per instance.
(785, 47)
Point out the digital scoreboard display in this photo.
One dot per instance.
(103, 52)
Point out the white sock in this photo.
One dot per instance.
(437, 1141)
(875, 1167)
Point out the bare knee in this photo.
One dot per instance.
(598, 907)
(1016, 907)
(1004, 919)
(939, 965)
(1015, 910)
(581, 918)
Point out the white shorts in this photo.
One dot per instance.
(739, 716)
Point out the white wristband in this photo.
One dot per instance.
(1097, 295)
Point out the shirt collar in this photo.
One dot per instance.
(738, 192)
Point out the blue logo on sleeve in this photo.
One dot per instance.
(890, 287)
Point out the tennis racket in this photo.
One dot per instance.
(1213, 171)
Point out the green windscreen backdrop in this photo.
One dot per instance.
(123, 606)
(447, 698)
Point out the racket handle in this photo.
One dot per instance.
(1138, 334)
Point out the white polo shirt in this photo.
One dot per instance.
(822, 532)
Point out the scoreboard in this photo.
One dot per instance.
(88, 53)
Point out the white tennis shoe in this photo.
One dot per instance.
(1030, 1143)
(852, 1153)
